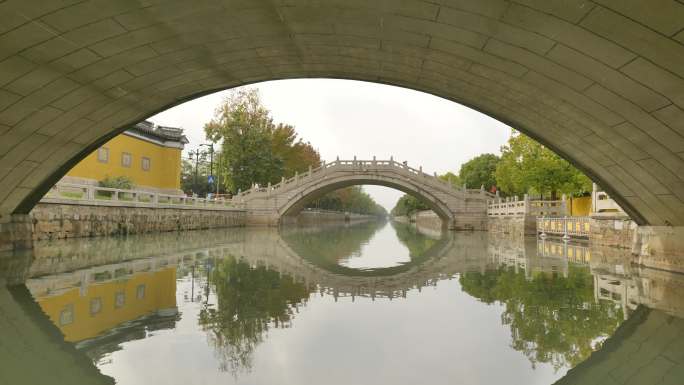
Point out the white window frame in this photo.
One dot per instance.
(142, 163)
(123, 159)
(103, 155)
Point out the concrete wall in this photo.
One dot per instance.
(55, 221)
(516, 226)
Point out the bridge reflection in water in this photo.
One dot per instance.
(104, 293)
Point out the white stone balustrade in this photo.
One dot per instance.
(354, 165)
(69, 193)
(513, 207)
(603, 205)
(565, 226)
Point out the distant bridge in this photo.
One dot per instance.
(459, 208)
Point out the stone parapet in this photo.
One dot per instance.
(60, 221)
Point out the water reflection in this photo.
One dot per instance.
(249, 300)
(259, 306)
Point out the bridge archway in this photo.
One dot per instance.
(600, 83)
(297, 203)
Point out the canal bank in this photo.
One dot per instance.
(63, 221)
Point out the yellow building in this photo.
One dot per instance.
(580, 206)
(110, 303)
(147, 154)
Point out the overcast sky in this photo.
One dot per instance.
(346, 118)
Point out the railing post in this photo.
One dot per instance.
(269, 184)
(374, 162)
(566, 237)
(155, 198)
(115, 196)
(90, 193)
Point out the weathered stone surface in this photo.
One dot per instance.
(72, 73)
(51, 221)
(459, 209)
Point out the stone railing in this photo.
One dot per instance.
(602, 204)
(565, 226)
(513, 207)
(69, 193)
(358, 166)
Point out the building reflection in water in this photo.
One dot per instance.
(561, 301)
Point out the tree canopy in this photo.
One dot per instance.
(479, 171)
(350, 199)
(553, 319)
(529, 167)
(256, 150)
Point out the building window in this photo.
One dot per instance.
(103, 154)
(146, 163)
(66, 316)
(140, 292)
(95, 305)
(119, 299)
(126, 159)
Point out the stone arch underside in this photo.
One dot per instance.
(599, 82)
(294, 205)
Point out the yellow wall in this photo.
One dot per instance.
(160, 293)
(580, 206)
(165, 167)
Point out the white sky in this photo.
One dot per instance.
(347, 118)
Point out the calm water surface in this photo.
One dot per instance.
(373, 303)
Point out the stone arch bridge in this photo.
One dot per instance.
(459, 208)
(601, 82)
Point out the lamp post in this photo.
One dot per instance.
(211, 163)
(196, 153)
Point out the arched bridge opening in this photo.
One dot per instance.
(459, 208)
(600, 83)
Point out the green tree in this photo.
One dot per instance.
(407, 205)
(553, 319)
(479, 171)
(529, 167)
(255, 150)
(452, 178)
(349, 199)
(250, 300)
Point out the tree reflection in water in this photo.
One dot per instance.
(553, 319)
(249, 300)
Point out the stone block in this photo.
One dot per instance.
(569, 34)
(664, 16)
(659, 131)
(608, 77)
(477, 56)
(644, 41)
(12, 68)
(658, 79)
(540, 64)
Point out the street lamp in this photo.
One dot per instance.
(211, 164)
(196, 153)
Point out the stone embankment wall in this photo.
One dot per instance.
(515, 226)
(426, 221)
(59, 221)
(314, 217)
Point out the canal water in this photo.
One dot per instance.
(369, 303)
